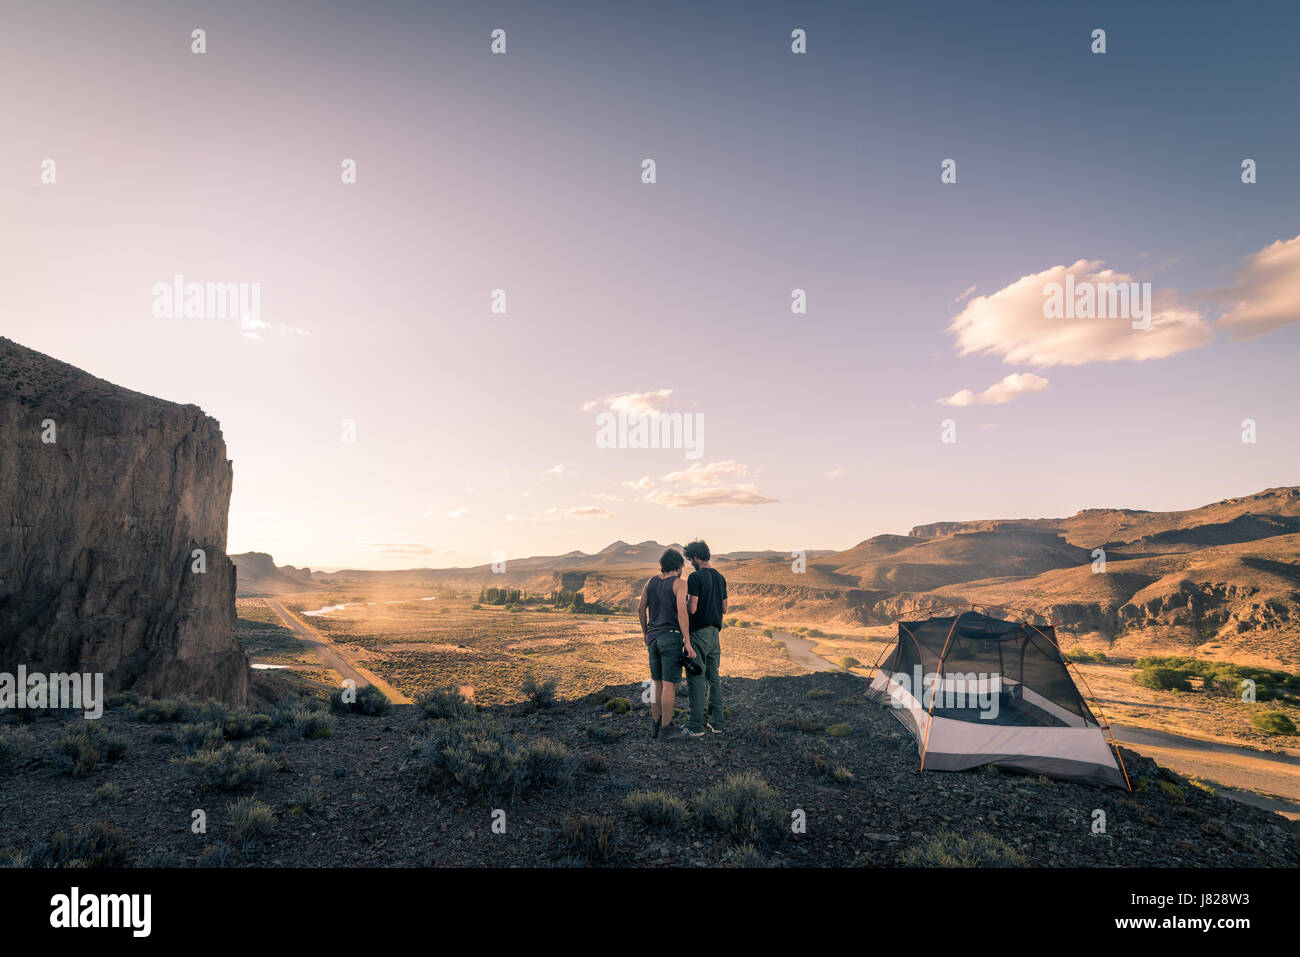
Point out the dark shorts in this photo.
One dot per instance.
(666, 656)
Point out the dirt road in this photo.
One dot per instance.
(332, 656)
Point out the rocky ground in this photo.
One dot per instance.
(354, 799)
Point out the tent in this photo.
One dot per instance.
(974, 689)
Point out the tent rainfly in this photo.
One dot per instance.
(977, 690)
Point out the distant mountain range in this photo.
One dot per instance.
(1222, 580)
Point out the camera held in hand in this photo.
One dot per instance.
(691, 665)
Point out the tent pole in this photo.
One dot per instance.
(925, 745)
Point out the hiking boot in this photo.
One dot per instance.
(654, 728)
(669, 732)
(713, 729)
(691, 734)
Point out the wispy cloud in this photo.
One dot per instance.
(970, 289)
(835, 473)
(402, 549)
(1011, 323)
(1265, 296)
(717, 495)
(558, 514)
(1013, 386)
(633, 403)
(704, 485)
(701, 474)
(579, 511)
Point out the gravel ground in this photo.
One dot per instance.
(369, 810)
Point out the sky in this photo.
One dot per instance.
(380, 414)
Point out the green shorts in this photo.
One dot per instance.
(666, 656)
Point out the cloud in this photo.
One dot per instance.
(558, 470)
(1011, 323)
(579, 511)
(633, 403)
(717, 495)
(1265, 296)
(557, 514)
(1013, 386)
(253, 328)
(401, 549)
(606, 497)
(835, 473)
(705, 486)
(969, 290)
(457, 512)
(701, 474)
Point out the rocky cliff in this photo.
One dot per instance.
(113, 510)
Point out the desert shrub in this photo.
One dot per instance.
(303, 718)
(250, 819)
(160, 857)
(196, 736)
(367, 700)
(84, 749)
(827, 768)
(1159, 678)
(218, 855)
(14, 744)
(121, 699)
(540, 694)
(840, 730)
(544, 763)
(476, 606)
(227, 768)
(949, 849)
(818, 693)
(310, 797)
(589, 838)
(1081, 657)
(603, 734)
(1272, 722)
(1172, 791)
(618, 705)
(768, 633)
(595, 763)
(108, 791)
(175, 709)
(816, 633)
(763, 734)
(446, 704)
(242, 723)
(95, 845)
(480, 760)
(657, 808)
(745, 855)
(848, 662)
(803, 723)
(743, 807)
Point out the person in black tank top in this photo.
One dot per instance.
(665, 623)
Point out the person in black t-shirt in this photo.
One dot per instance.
(707, 591)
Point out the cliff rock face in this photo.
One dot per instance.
(98, 529)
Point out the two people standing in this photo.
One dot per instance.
(681, 621)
